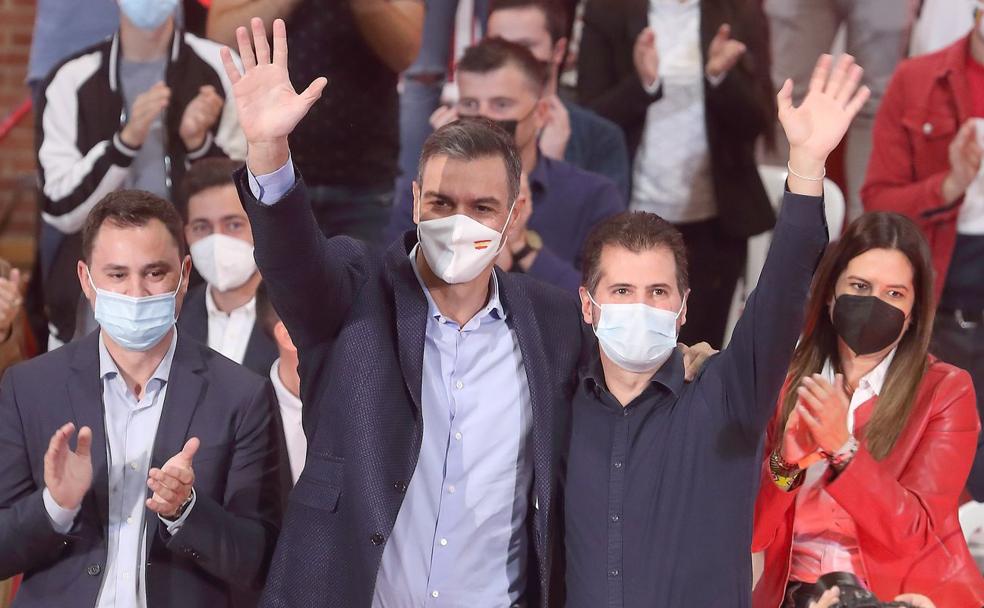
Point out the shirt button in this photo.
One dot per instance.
(93, 570)
(376, 539)
(618, 464)
(435, 593)
(400, 486)
(133, 466)
(444, 542)
(129, 520)
(450, 489)
(613, 573)
(459, 385)
(615, 518)
(457, 436)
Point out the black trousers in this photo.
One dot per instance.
(960, 341)
(716, 260)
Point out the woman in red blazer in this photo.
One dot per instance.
(873, 438)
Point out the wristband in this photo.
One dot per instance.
(809, 179)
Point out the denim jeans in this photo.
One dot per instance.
(423, 81)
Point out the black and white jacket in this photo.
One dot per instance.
(80, 155)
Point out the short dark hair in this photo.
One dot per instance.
(471, 139)
(132, 209)
(266, 314)
(636, 231)
(492, 54)
(554, 13)
(204, 174)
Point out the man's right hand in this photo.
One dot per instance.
(646, 57)
(269, 107)
(68, 474)
(965, 161)
(147, 108)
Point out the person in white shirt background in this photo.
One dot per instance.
(222, 312)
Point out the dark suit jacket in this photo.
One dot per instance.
(737, 111)
(261, 352)
(223, 549)
(358, 321)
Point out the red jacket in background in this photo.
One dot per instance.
(904, 506)
(923, 108)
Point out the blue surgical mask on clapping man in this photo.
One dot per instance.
(135, 323)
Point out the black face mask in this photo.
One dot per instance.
(866, 323)
(509, 126)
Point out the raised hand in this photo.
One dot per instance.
(723, 52)
(798, 445)
(68, 474)
(172, 483)
(199, 116)
(269, 107)
(816, 127)
(646, 57)
(147, 108)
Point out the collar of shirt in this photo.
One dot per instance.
(286, 398)
(108, 367)
(213, 310)
(669, 375)
(870, 385)
(493, 307)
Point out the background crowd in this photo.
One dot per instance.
(660, 106)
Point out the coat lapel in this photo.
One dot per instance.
(85, 394)
(520, 309)
(410, 308)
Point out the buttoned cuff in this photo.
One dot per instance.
(173, 526)
(61, 519)
(271, 187)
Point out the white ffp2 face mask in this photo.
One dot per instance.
(637, 337)
(223, 261)
(458, 248)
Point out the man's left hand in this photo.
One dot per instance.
(723, 53)
(172, 483)
(694, 358)
(199, 116)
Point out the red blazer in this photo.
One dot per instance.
(919, 116)
(905, 506)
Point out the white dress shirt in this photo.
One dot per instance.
(131, 428)
(672, 170)
(290, 414)
(228, 333)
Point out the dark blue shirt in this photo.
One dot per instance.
(597, 145)
(660, 494)
(567, 204)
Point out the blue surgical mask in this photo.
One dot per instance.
(135, 323)
(637, 337)
(148, 14)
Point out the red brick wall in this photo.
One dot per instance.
(18, 208)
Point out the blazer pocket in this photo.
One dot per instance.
(319, 485)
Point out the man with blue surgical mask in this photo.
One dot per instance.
(132, 111)
(661, 475)
(140, 469)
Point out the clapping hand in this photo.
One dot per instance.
(68, 474)
(172, 483)
(269, 107)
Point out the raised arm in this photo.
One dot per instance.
(312, 280)
(758, 356)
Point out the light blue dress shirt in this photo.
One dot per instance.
(131, 428)
(460, 538)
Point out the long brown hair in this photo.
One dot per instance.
(819, 341)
